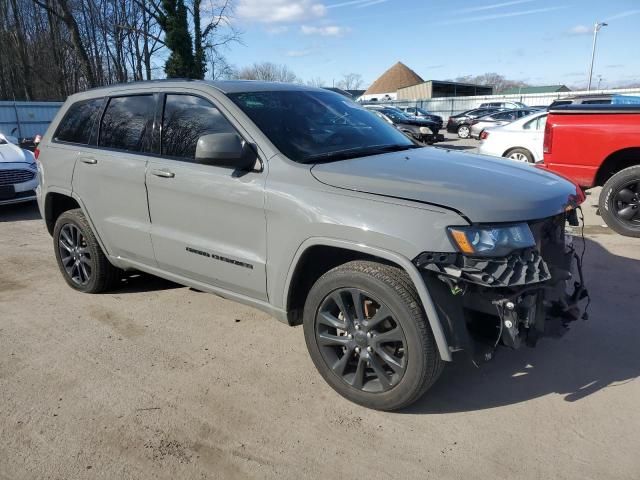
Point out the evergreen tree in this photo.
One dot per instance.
(181, 63)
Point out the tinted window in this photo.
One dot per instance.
(536, 123)
(503, 116)
(186, 118)
(126, 122)
(78, 122)
(602, 101)
(305, 125)
(561, 102)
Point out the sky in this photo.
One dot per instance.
(541, 42)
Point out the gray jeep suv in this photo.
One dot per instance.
(299, 202)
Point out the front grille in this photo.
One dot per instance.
(12, 177)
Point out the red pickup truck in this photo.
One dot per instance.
(599, 145)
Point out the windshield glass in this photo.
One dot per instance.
(308, 125)
(395, 115)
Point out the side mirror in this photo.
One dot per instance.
(225, 150)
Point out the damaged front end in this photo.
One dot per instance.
(505, 294)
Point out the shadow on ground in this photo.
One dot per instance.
(599, 353)
(19, 212)
(139, 282)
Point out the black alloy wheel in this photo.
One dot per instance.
(619, 202)
(75, 255)
(360, 340)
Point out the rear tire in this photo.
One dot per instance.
(520, 155)
(369, 337)
(464, 131)
(81, 261)
(619, 202)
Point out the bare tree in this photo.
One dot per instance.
(495, 80)
(350, 81)
(267, 71)
(316, 82)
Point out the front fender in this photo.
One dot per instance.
(401, 261)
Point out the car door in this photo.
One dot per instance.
(110, 179)
(207, 222)
(534, 130)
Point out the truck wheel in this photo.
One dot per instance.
(369, 337)
(520, 155)
(620, 202)
(464, 131)
(83, 264)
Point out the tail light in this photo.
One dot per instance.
(484, 135)
(548, 138)
(36, 153)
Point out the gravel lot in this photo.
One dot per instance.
(156, 380)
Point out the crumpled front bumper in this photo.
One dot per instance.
(509, 301)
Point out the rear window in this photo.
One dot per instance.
(77, 124)
(601, 101)
(126, 123)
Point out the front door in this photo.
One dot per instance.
(207, 222)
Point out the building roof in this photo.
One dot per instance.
(398, 76)
(539, 89)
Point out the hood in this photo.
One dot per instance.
(482, 188)
(10, 153)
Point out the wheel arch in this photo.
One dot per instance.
(55, 204)
(615, 162)
(316, 256)
(511, 149)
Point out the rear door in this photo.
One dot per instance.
(110, 178)
(534, 130)
(207, 222)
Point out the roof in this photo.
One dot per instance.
(538, 89)
(398, 76)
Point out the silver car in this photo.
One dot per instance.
(18, 173)
(299, 202)
(498, 119)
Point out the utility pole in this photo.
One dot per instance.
(596, 28)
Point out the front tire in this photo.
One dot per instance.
(82, 262)
(369, 337)
(619, 202)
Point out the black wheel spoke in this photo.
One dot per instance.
(329, 339)
(381, 374)
(358, 377)
(393, 362)
(625, 195)
(328, 319)
(358, 304)
(341, 364)
(628, 213)
(337, 298)
(393, 335)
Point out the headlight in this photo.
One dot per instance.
(490, 241)
(425, 130)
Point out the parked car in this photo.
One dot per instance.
(503, 104)
(608, 155)
(391, 255)
(461, 122)
(497, 119)
(420, 129)
(422, 113)
(520, 140)
(18, 172)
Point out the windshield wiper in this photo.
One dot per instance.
(357, 152)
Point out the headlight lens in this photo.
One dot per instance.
(424, 130)
(491, 241)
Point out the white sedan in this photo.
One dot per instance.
(18, 173)
(520, 140)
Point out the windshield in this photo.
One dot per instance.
(310, 125)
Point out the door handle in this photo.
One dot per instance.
(163, 173)
(89, 161)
